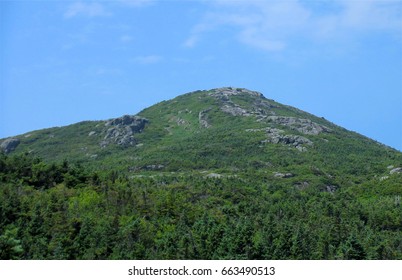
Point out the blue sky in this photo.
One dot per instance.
(68, 61)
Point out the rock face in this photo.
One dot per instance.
(225, 92)
(9, 145)
(203, 118)
(262, 110)
(278, 136)
(121, 130)
(304, 126)
(235, 110)
(230, 107)
(396, 170)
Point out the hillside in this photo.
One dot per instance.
(223, 173)
(222, 129)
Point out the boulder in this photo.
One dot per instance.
(304, 126)
(276, 136)
(283, 175)
(9, 145)
(396, 170)
(214, 176)
(331, 188)
(134, 123)
(121, 130)
(302, 185)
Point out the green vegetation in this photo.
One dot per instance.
(76, 214)
(186, 190)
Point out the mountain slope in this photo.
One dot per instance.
(227, 128)
(217, 174)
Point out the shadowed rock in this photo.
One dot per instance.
(9, 145)
(121, 130)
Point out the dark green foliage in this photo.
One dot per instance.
(10, 247)
(188, 217)
(184, 191)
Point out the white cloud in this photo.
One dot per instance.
(372, 14)
(137, 3)
(94, 9)
(126, 38)
(148, 59)
(206, 25)
(107, 71)
(253, 38)
(191, 41)
(98, 8)
(273, 25)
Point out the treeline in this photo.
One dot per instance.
(64, 211)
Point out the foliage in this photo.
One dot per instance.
(188, 216)
(185, 191)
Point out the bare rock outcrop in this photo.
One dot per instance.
(304, 126)
(278, 136)
(203, 118)
(121, 130)
(9, 145)
(226, 92)
(235, 110)
(396, 170)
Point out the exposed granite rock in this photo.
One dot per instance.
(235, 110)
(276, 136)
(181, 122)
(203, 118)
(135, 122)
(302, 185)
(154, 167)
(260, 108)
(396, 170)
(331, 188)
(151, 167)
(230, 91)
(121, 130)
(214, 176)
(9, 145)
(283, 175)
(304, 126)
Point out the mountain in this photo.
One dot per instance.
(221, 173)
(227, 128)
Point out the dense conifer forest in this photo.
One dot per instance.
(63, 211)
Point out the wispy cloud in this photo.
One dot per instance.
(106, 71)
(273, 25)
(126, 38)
(136, 3)
(148, 59)
(94, 9)
(197, 32)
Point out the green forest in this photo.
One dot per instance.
(65, 211)
(218, 174)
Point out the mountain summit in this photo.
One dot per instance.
(229, 128)
(216, 174)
